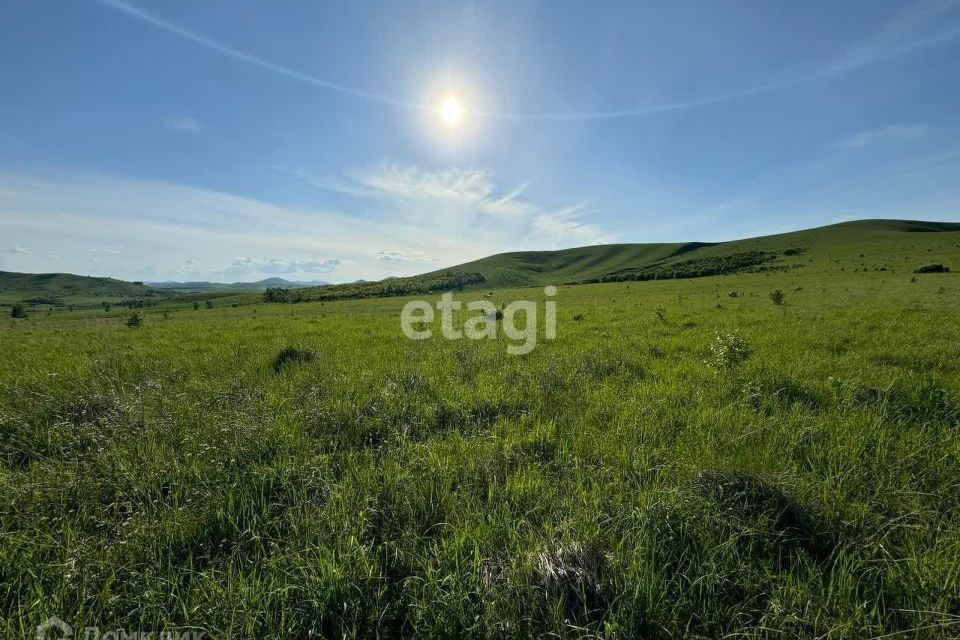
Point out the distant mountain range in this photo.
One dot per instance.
(260, 285)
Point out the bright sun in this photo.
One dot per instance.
(451, 111)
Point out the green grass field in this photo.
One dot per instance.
(636, 477)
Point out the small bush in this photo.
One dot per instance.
(18, 311)
(777, 296)
(728, 351)
(660, 314)
(291, 355)
(209, 304)
(136, 319)
(933, 268)
(578, 317)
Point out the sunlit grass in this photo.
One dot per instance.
(613, 482)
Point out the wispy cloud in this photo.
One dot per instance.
(469, 201)
(412, 219)
(917, 27)
(18, 249)
(183, 124)
(894, 133)
(402, 256)
(175, 29)
(282, 266)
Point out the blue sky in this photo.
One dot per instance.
(242, 140)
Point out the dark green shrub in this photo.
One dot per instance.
(292, 355)
(18, 311)
(136, 319)
(777, 296)
(933, 268)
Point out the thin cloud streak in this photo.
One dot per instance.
(175, 29)
(867, 54)
(893, 133)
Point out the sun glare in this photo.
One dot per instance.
(451, 111)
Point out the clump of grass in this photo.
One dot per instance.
(94, 408)
(136, 319)
(18, 311)
(932, 268)
(573, 573)
(292, 355)
(660, 314)
(777, 296)
(750, 502)
(728, 351)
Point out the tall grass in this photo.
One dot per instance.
(609, 484)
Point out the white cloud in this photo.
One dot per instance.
(467, 201)
(278, 265)
(402, 256)
(18, 249)
(413, 221)
(111, 252)
(183, 124)
(470, 186)
(894, 133)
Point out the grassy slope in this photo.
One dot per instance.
(64, 288)
(167, 475)
(541, 267)
(892, 241)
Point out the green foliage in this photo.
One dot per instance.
(279, 294)
(777, 296)
(208, 304)
(728, 351)
(136, 319)
(417, 285)
(694, 268)
(18, 311)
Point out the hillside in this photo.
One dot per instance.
(888, 243)
(54, 289)
(874, 245)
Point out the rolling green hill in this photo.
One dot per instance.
(55, 289)
(873, 245)
(883, 243)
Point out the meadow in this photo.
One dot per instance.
(685, 459)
